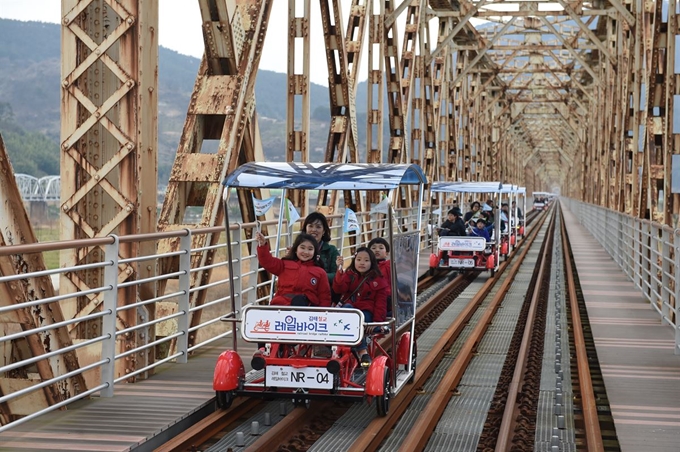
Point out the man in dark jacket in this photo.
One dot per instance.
(454, 225)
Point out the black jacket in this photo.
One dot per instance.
(452, 228)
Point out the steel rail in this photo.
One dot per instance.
(591, 421)
(378, 429)
(294, 422)
(508, 422)
(209, 426)
(286, 428)
(430, 415)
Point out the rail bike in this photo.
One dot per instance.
(472, 252)
(542, 200)
(289, 365)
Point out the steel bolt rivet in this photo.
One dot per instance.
(560, 421)
(240, 440)
(554, 441)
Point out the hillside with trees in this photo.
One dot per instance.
(30, 68)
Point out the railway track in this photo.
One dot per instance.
(429, 416)
(511, 419)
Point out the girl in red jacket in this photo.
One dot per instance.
(301, 282)
(363, 287)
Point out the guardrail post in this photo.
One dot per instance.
(665, 276)
(632, 246)
(646, 260)
(617, 240)
(237, 278)
(637, 252)
(109, 320)
(183, 301)
(676, 292)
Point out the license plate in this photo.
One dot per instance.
(465, 263)
(304, 377)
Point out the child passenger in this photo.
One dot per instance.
(301, 281)
(381, 249)
(480, 230)
(362, 287)
(316, 225)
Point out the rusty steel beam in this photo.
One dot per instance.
(221, 108)
(297, 123)
(109, 139)
(342, 133)
(342, 144)
(545, 89)
(15, 228)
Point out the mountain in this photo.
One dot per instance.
(30, 67)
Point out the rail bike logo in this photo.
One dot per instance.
(329, 325)
(262, 326)
(292, 324)
(462, 243)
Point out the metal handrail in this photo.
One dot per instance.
(646, 251)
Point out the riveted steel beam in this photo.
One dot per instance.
(108, 133)
(15, 229)
(221, 108)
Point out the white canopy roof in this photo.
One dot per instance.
(472, 187)
(325, 176)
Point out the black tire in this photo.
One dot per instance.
(224, 399)
(382, 402)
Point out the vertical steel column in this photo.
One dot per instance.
(109, 109)
(297, 125)
(375, 88)
(222, 108)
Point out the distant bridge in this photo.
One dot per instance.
(46, 188)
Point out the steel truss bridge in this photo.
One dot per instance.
(47, 188)
(579, 95)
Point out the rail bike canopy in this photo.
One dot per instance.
(543, 194)
(325, 176)
(473, 187)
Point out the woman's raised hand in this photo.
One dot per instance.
(261, 240)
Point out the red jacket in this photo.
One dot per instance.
(386, 270)
(296, 278)
(371, 296)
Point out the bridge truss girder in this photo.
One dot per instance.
(557, 96)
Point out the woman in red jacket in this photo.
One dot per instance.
(300, 281)
(363, 287)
